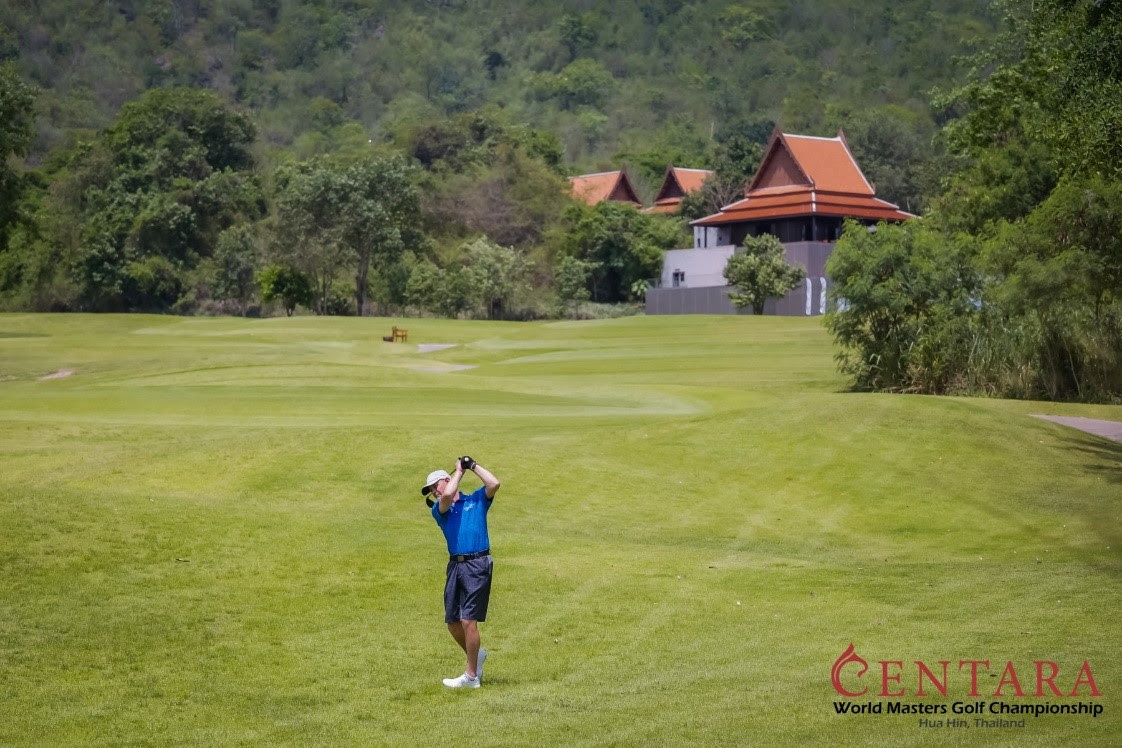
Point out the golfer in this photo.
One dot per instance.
(463, 518)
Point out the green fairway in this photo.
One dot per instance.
(211, 534)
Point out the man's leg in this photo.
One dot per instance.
(470, 643)
(457, 631)
(453, 605)
(466, 634)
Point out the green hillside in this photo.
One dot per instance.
(608, 78)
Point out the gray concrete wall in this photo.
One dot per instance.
(810, 256)
(711, 300)
(715, 300)
(808, 299)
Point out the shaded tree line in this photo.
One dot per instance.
(169, 210)
(1012, 284)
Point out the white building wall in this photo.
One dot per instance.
(695, 268)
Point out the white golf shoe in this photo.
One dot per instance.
(462, 682)
(479, 664)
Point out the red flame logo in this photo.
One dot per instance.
(847, 657)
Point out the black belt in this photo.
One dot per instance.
(469, 556)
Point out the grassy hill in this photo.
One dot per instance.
(210, 533)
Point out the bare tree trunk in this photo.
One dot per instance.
(360, 284)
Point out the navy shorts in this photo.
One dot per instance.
(468, 590)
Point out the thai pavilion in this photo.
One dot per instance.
(676, 184)
(605, 185)
(803, 190)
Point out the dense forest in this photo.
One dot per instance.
(361, 156)
(609, 79)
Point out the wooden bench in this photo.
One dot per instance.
(398, 333)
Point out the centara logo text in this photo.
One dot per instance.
(1044, 677)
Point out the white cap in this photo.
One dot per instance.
(434, 476)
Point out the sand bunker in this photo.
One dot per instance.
(60, 374)
(443, 369)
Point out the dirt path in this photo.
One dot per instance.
(1107, 429)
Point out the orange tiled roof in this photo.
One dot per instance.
(806, 202)
(677, 182)
(690, 180)
(669, 205)
(827, 162)
(607, 185)
(802, 175)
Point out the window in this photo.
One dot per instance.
(679, 278)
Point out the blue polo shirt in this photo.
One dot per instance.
(465, 524)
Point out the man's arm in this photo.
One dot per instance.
(490, 482)
(451, 489)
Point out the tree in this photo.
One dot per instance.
(276, 56)
(436, 290)
(715, 193)
(307, 230)
(330, 214)
(1056, 277)
(892, 144)
(742, 25)
(455, 142)
(512, 200)
(17, 122)
(179, 132)
(1036, 130)
(576, 32)
(1054, 76)
(425, 286)
(498, 274)
(739, 153)
(679, 141)
(388, 289)
(903, 298)
(570, 281)
(760, 273)
(235, 259)
(287, 284)
(380, 214)
(999, 184)
(1038, 106)
(623, 245)
(583, 82)
(150, 197)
